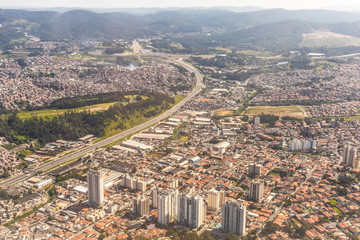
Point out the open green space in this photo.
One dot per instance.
(136, 118)
(329, 39)
(338, 211)
(74, 124)
(281, 111)
(225, 113)
(333, 202)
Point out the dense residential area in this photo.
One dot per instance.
(175, 125)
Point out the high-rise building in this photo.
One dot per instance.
(129, 182)
(191, 210)
(215, 199)
(256, 190)
(95, 180)
(355, 164)
(155, 193)
(254, 170)
(173, 183)
(233, 217)
(350, 155)
(333, 123)
(140, 185)
(141, 206)
(301, 145)
(167, 206)
(257, 121)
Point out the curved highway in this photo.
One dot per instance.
(76, 154)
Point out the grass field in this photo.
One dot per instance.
(54, 112)
(352, 118)
(92, 108)
(184, 138)
(281, 111)
(326, 38)
(135, 120)
(224, 112)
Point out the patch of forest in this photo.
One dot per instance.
(73, 125)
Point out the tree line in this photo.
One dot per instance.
(82, 101)
(73, 125)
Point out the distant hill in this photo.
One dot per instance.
(275, 28)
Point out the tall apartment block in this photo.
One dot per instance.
(215, 199)
(256, 190)
(233, 217)
(191, 210)
(141, 206)
(95, 181)
(254, 170)
(167, 206)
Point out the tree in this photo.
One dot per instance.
(102, 236)
(287, 203)
(245, 118)
(270, 228)
(206, 236)
(231, 236)
(341, 191)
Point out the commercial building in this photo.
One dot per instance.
(256, 190)
(233, 218)
(95, 180)
(43, 183)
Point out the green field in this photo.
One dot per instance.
(338, 211)
(135, 120)
(224, 113)
(333, 202)
(352, 118)
(54, 112)
(281, 111)
(329, 39)
(178, 98)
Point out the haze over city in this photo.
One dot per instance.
(179, 120)
(350, 5)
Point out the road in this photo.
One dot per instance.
(78, 153)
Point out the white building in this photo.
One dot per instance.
(95, 181)
(254, 170)
(43, 183)
(140, 185)
(301, 145)
(256, 190)
(141, 206)
(167, 206)
(191, 210)
(350, 157)
(215, 199)
(155, 199)
(233, 217)
(257, 121)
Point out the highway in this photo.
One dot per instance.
(78, 153)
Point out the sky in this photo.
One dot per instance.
(287, 4)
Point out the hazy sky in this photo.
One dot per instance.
(288, 4)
